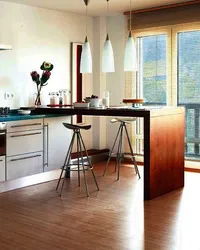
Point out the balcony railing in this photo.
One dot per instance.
(192, 130)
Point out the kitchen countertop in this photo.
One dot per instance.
(17, 117)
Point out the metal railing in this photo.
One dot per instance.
(192, 130)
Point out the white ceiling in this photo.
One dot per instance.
(96, 7)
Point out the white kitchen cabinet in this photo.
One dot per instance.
(2, 168)
(23, 125)
(56, 142)
(25, 146)
(24, 165)
(24, 142)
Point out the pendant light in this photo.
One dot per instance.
(108, 56)
(130, 51)
(86, 57)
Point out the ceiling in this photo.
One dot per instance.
(96, 7)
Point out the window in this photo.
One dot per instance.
(169, 74)
(188, 81)
(151, 79)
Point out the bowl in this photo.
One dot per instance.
(94, 102)
(24, 112)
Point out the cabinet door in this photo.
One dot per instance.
(2, 168)
(24, 125)
(24, 165)
(24, 142)
(56, 142)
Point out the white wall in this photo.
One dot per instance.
(116, 81)
(37, 35)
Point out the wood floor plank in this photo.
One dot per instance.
(115, 218)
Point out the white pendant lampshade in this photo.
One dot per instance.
(86, 58)
(130, 63)
(108, 57)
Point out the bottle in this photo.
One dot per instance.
(52, 98)
(60, 97)
(66, 96)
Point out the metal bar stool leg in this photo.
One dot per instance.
(120, 152)
(68, 161)
(79, 179)
(66, 158)
(131, 149)
(91, 168)
(112, 151)
(85, 179)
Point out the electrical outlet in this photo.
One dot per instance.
(8, 95)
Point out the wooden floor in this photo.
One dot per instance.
(115, 218)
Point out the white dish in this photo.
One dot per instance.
(24, 111)
(81, 105)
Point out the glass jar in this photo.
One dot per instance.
(66, 96)
(106, 98)
(52, 98)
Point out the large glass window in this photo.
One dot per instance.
(188, 81)
(169, 73)
(188, 67)
(151, 77)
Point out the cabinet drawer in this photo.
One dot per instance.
(24, 142)
(24, 165)
(2, 168)
(24, 125)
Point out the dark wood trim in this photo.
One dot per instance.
(79, 88)
(195, 170)
(126, 13)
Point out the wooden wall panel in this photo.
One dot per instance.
(166, 154)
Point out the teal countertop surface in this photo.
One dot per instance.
(17, 117)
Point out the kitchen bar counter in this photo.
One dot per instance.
(163, 142)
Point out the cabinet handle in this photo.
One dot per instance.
(38, 133)
(25, 125)
(1, 160)
(47, 162)
(3, 133)
(24, 158)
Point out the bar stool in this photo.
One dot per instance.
(80, 166)
(121, 155)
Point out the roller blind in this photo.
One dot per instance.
(165, 17)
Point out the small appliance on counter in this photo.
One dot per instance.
(4, 111)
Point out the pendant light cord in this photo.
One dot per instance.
(130, 18)
(107, 11)
(86, 12)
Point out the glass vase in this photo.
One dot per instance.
(38, 98)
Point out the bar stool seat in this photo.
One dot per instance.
(79, 126)
(80, 165)
(121, 155)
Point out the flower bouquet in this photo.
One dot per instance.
(41, 81)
